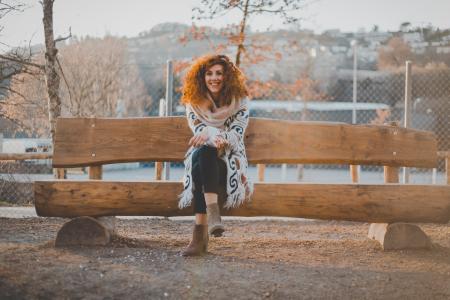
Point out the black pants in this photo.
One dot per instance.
(209, 174)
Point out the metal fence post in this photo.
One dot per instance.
(355, 169)
(159, 166)
(355, 80)
(283, 172)
(169, 100)
(407, 114)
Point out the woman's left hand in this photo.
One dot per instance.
(220, 142)
(198, 140)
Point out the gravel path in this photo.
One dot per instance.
(256, 259)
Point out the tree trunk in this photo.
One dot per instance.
(51, 75)
(242, 34)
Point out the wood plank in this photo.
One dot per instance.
(95, 172)
(87, 141)
(354, 174)
(24, 156)
(309, 142)
(261, 171)
(60, 173)
(383, 203)
(83, 228)
(381, 231)
(391, 174)
(447, 169)
(91, 141)
(158, 170)
(446, 156)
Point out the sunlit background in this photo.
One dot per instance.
(339, 61)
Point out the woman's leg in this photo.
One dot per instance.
(201, 219)
(199, 242)
(209, 174)
(205, 176)
(199, 197)
(210, 198)
(206, 157)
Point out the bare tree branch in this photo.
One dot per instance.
(212, 9)
(64, 38)
(64, 77)
(13, 91)
(6, 8)
(22, 61)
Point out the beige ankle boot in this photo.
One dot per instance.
(199, 242)
(215, 225)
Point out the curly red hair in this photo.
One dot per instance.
(194, 87)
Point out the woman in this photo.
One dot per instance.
(215, 96)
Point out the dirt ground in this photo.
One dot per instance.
(268, 259)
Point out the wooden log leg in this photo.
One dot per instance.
(158, 170)
(378, 231)
(86, 231)
(354, 173)
(447, 168)
(396, 236)
(60, 173)
(261, 168)
(399, 236)
(109, 223)
(96, 172)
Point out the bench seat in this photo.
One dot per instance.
(378, 203)
(94, 142)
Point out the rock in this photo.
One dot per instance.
(398, 236)
(84, 231)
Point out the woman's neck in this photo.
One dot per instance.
(215, 99)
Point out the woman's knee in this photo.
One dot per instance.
(207, 149)
(206, 152)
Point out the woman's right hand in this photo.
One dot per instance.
(198, 140)
(220, 142)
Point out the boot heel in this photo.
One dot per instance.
(217, 231)
(215, 225)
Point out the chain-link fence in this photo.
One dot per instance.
(379, 99)
(378, 96)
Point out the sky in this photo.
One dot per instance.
(128, 18)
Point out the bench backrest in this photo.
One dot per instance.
(97, 141)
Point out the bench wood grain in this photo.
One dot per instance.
(377, 203)
(95, 141)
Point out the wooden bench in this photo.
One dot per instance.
(93, 142)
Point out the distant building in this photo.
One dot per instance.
(26, 145)
(443, 50)
(373, 87)
(412, 37)
(339, 49)
(336, 33)
(315, 110)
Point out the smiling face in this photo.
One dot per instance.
(214, 78)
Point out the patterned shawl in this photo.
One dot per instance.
(218, 115)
